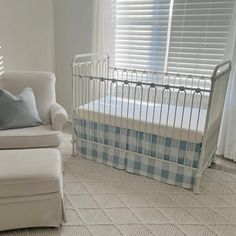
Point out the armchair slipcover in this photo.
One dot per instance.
(53, 114)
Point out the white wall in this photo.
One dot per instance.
(26, 34)
(45, 35)
(73, 22)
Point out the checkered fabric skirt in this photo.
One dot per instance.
(169, 160)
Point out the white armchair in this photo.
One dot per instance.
(54, 115)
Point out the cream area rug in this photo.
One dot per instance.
(102, 201)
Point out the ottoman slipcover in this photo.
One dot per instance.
(31, 192)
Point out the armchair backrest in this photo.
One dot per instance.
(42, 83)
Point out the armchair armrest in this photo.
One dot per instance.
(58, 116)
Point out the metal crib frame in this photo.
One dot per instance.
(94, 78)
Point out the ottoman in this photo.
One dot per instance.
(31, 188)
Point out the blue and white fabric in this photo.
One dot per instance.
(166, 159)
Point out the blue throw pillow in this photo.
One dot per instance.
(18, 111)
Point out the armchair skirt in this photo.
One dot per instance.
(31, 189)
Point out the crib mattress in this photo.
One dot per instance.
(160, 119)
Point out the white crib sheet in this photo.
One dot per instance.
(136, 116)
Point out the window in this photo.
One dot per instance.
(181, 36)
(198, 35)
(141, 33)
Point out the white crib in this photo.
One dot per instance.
(161, 125)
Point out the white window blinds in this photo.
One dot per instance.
(1, 61)
(181, 36)
(141, 33)
(198, 35)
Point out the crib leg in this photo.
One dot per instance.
(214, 158)
(196, 187)
(74, 136)
(74, 146)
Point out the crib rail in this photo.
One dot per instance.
(88, 65)
(187, 80)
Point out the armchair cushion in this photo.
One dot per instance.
(58, 116)
(18, 111)
(32, 137)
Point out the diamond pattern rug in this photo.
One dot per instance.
(103, 201)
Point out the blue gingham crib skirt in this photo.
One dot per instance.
(140, 153)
